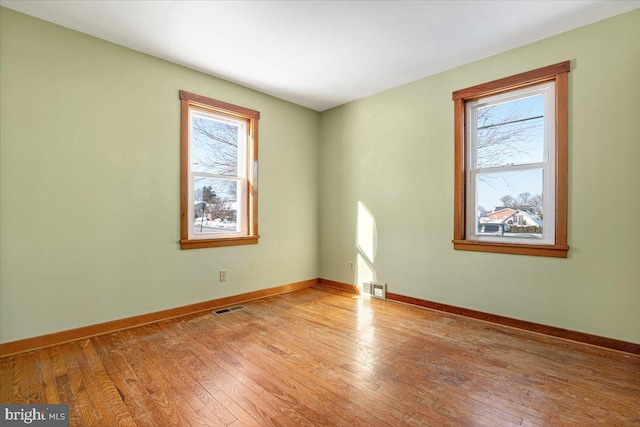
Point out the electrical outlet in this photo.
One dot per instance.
(223, 275)
(351, 265)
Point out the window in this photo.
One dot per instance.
(219, 171)
(511, 164)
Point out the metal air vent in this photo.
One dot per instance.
(378, 290)
(228, 310)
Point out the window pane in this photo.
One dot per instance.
(510, 203)
(215, 205)
(214, 146)
(511, 132)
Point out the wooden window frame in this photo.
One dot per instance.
(557, 73)
(188, 101)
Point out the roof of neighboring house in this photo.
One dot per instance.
(529, 216)
(529, 209)
(502, 209)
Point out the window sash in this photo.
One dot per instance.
(241, 165)
(240, 178)
(547, 90)
(241, 216)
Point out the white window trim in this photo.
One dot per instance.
(547, 90)
(240, 178)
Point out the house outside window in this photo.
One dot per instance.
(219, 146)
(511, 164)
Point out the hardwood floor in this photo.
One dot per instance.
(322, 357)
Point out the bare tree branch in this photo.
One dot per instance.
(505, 138)
(217, 145)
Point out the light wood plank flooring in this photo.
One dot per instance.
(322, 357)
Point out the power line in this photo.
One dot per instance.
(511, 122)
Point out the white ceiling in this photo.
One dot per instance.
(321, 54)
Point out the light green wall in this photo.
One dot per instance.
(89, 207)
(394, 153)
(90, 185)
